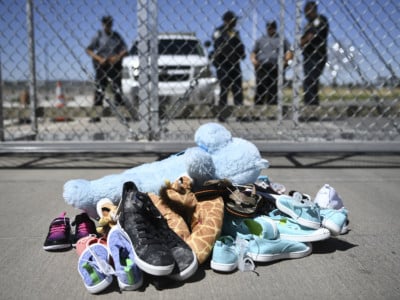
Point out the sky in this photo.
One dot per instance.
(368, 32)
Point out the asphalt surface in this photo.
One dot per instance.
(363, 264)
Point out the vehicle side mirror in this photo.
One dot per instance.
(207, 44)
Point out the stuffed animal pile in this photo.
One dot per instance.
(210, 196)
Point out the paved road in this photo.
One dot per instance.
(364, 264)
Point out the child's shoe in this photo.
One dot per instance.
(301, 210)
(224, 255)
(327, 197)
(333, 219)
(229, 254)
(264, 249)
(94, 268)
(129, 276)
(86, 241)
(291, 230)
(59, 235)
(84, 226)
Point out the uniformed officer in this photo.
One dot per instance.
(264, 57)
(228, 52)
(315, 54)
(107, 49)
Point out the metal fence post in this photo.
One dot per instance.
(32, 65)
(280, 60)
(296, 64)
(143, 80)
(153, 69)
(148, 66)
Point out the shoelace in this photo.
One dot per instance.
(298, 197)
(100, 264)
(58, 227)
(83, 228)
(145, 229)
(245, 263)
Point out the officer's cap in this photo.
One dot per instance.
(107, 20)
(271, 24)
(229, 16)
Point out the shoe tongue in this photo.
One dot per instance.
(62, 215)
(61, 221)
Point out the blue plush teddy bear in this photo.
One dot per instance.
(217, 156)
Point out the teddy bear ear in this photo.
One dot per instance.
(212, 136)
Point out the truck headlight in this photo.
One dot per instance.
(202, 72)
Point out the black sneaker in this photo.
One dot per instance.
(84, 226)
(59, 235)
(185, 259)
(137, 218)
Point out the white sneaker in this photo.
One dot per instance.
(327, 197)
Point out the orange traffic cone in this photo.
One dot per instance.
(60, 103)
(60, 96)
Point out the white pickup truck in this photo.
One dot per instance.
(181, 57)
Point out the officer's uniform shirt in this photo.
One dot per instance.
(107, 45)
(266, 49)
(317, 47)
(228, 47)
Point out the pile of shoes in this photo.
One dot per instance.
(138, 240)
(285, 232)
(260, 224)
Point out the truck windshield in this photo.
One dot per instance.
(174, 47)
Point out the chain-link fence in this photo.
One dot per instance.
(326, 75)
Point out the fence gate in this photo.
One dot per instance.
(169, 77)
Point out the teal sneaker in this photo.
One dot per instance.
(290, 230)
(259, 238)
(263, 250)
(334, 220)
(229, 255)
(224, 256)
(304, 212)
(233, 225)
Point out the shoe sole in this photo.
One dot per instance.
(332, 227)
(220, 267)
(294, 216)
(152, 269)
(188, 272)
(280, 256)
(57, 247)
(345, 228)
(306, 238)
(128, 287)
(95, 289)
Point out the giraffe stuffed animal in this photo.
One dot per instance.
(198, 223)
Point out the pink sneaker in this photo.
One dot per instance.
(86, 241)
(84, 226)
(59, 235)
